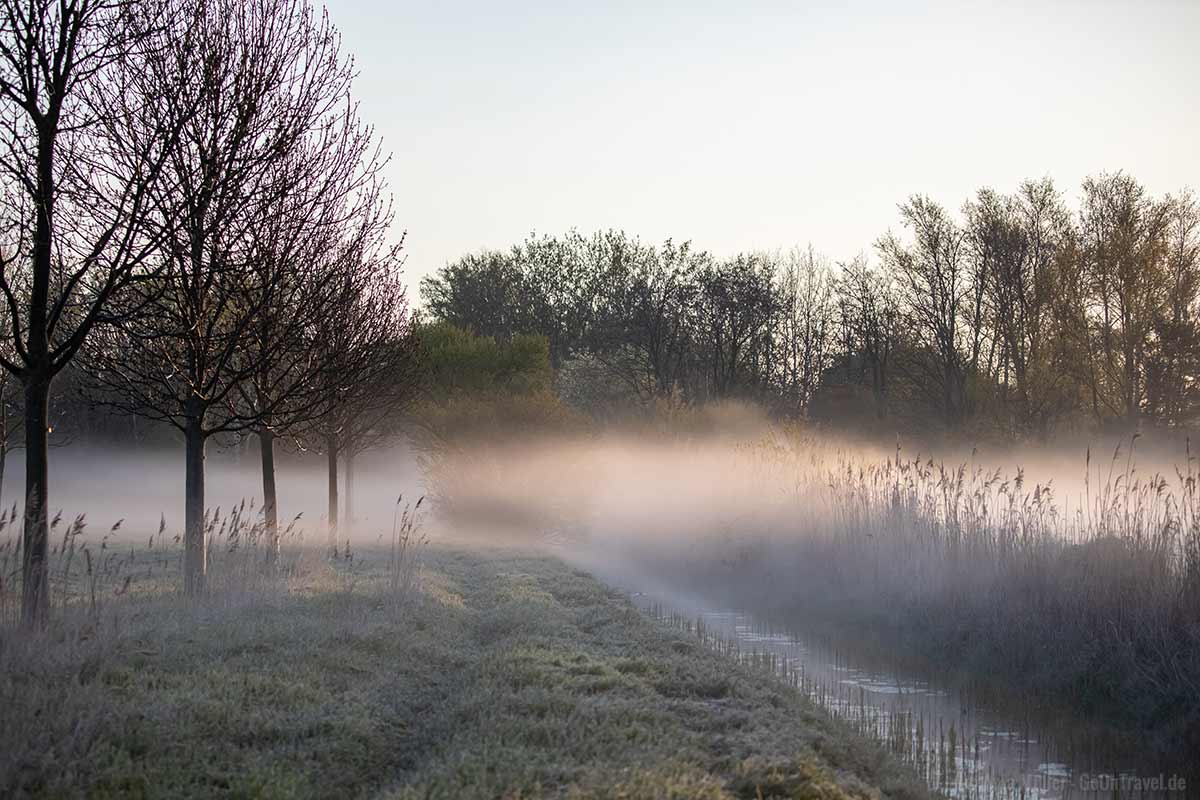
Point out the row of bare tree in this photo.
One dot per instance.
(1017, 314)
(193, 215)
(1026, 314)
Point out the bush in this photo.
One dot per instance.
(459, 363)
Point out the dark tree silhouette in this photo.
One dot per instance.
(78, 172)
(871, 327)
(371, 345)
(932, 279)
(269, 82)
(328, 200)
(1123, 243)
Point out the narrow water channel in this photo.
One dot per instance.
(962, 743)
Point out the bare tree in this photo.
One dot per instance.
(329, 186)
(931, 275)
(76, 178)
(1123, 238)
(640, 330)
(804, 326)
(370, 344)
(267, 77)
(737, 304)
(1014, 244)
(871, 327)
(1173, 371)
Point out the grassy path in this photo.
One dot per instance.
(513, 676)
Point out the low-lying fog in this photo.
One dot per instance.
(143, 487)
(614, 489)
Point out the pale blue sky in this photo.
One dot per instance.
(757, 124)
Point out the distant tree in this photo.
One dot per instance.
(736, 307)
(870, 325)
(1013, 317)
(639, 334)
(480, 389)
(1173, 368)
(804, 328)
(1015, 243)
(458, 363)
(565, 277)
(931, 275)
(1123, 241)
(485, 292)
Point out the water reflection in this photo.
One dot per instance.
(964, 743)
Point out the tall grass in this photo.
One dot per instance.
(1096, 601)
(91, 575)
(404, 549)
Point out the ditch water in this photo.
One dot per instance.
(964, 743)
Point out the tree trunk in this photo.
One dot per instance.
(195, 559)
(266, 444)
(331, 450)
(1133, 393)
(35, 564)
(349, 490)
(4, 432)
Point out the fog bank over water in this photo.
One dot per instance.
(600, 492)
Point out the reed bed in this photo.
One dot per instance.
(1093, 599)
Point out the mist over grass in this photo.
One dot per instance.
(144, 487)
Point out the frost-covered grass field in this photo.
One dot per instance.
(495, 673)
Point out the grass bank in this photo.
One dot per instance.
(504, 675)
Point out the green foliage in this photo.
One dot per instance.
(483, 388)
(496, 417)
(461, 363)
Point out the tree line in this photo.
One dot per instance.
(1018, 314)
(194, 227)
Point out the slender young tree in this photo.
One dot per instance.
(267, 76)
(330, 186)
(370, 344)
